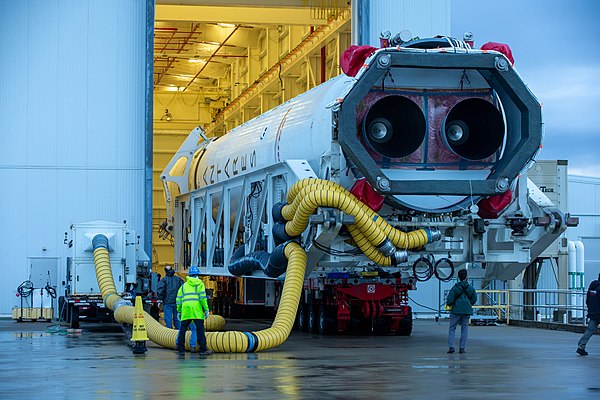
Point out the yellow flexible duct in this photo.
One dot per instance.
(225, 342)
(306, 195)
(289, 209)
(368, 249)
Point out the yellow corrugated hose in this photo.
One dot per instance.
(306, 199)
(369, 231)
(225, 342)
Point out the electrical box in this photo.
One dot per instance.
(550, 176)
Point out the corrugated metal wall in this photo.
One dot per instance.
(72, 125)
(423, 18)
(584, 202)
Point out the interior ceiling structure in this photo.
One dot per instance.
(240, 58)
(194, 55)
(195, 41)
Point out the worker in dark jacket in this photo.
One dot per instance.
(167, 293)
(593, 305)
(461, 299)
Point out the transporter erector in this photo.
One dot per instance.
(415, 167)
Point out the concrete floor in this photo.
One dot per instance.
(501, 362)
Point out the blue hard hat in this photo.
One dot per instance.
(194, 270)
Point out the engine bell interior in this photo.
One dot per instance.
(394, 127)
(473, 129)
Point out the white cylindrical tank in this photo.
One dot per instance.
(572, 267)
(580, 277)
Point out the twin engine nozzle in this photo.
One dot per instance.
(396, 127)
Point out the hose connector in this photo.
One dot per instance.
(386, 247)
(279, 233)
(100, 241)
(122, 303)
(276, 211)
(399, 257)
(433, 234)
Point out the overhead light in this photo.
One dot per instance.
(167, 116)
(173, 88)
(197, 60)
(222, 25)
(213, 43)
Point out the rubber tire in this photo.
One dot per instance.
(327, 325)
(406, 326)
(382, 326)
(74, 317)
(303, 318)
(313, 320)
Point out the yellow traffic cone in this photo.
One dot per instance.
(139, 335)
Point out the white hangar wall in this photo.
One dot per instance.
(73, 127)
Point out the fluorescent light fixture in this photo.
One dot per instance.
(197, 60)
(222, 25)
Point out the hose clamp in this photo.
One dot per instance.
(387, 248)
(434, 234)
(399, 257)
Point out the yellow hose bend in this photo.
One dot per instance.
(368, 249)
(224, 342)
(363, 215)
(289, 210)
(307, 194)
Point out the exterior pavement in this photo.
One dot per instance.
(501, 362)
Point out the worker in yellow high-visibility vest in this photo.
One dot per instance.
(192, 306)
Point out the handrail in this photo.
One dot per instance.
(499, 307)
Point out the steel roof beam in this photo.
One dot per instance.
(237, 15)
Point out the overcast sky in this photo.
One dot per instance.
(556, 46)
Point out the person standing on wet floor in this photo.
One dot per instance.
(592, 302)
(461, 298)
(167, 293)
(192, 305)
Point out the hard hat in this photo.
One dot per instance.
(194, 270)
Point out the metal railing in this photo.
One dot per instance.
(550, 305)
(543, 305)
(498, 301)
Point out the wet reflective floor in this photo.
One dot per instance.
(501, 362)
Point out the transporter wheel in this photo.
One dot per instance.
(406, 325)
(327, 323)
(381, 326)
(217, 306)
(303, 318)
(74, 319)
(313, 320)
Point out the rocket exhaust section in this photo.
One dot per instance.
(434, 130)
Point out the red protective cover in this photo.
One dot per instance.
(490, 207)
(502, 48)
(365, 193)
(354, 57)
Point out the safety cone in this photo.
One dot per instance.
(139, 335)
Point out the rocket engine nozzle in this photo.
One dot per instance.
(473, 129)
(394, 126)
